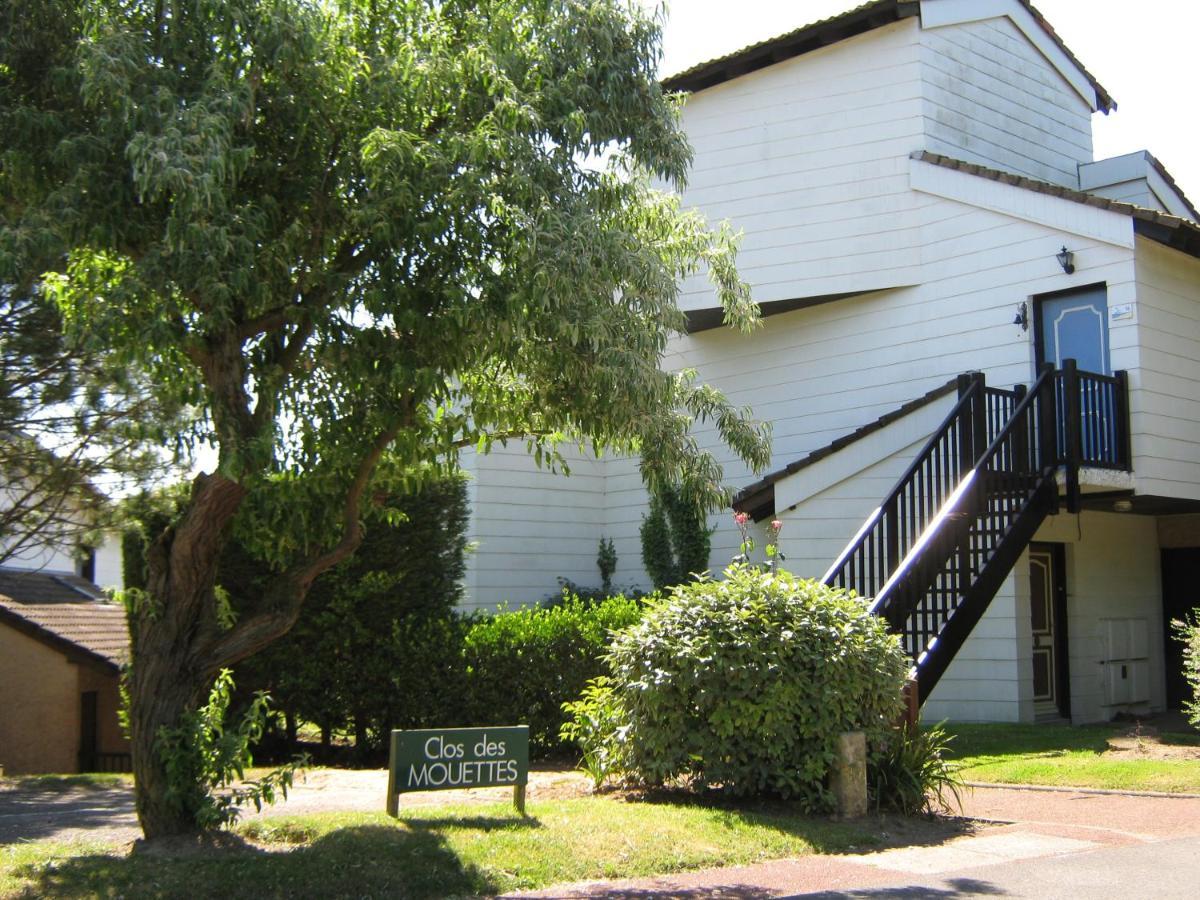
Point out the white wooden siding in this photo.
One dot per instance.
(1165, 406)
(807, 156)
(1113, 571)
(990, 97)
(529, 526)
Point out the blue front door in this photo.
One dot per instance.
(1075, 326)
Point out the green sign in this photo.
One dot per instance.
(436, 759)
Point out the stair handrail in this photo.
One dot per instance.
(970, 391)
(1047, 455)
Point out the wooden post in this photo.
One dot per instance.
(1073, 416)
(1121, 412)
(849, 776)
(911, 695)
(519, 798)
(393, 795)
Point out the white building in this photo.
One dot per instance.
(906, 175)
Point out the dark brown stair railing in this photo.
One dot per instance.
(937, 549)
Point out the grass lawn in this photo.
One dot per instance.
(1077, 757)
(447, 851)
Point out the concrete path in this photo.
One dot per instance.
(1037, 844)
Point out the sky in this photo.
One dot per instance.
(1143, 53)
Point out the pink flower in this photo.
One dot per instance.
(776, 525)
(742, 518)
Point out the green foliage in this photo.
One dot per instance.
(54, 394)
(380, 618)
(348, 240)
(1188, 633)
(676, 539)
(746, 684)
(205, 761)
(606, 561)
(910, 771)
(595, 724)
(521, 666)
(438, 670)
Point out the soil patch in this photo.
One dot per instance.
(1146, 742)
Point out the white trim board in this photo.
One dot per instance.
(862, 454)
(1102, 225)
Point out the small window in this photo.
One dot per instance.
(87, 565)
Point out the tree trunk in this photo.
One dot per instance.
(160, 693)
(168, 677)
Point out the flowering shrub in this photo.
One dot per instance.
(772, 551)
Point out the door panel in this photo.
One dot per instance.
(1048, 626)
(1075, 326)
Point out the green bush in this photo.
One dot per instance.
(909, 772)
(521, 666)
(745, 684)
(1188, 632)
(676, 540)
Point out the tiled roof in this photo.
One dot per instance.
(47, 587)
(826, 31)
(54, 609)
(1175, 231)
(758, 499)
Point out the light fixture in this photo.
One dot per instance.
(1021, 319)
(1066, 259)
(1122, 506)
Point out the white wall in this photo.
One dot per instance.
(530, 526)
(1165, 406)
(990, 97)
(1113, 571)
(807, 156)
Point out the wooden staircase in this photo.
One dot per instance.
(936, 550)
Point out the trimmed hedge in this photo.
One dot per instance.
(508, 668)
(521, 666)
(1188, 633)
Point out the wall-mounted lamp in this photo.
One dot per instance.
(1066, 259)
(1021, 319)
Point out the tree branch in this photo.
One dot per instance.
(286, 596)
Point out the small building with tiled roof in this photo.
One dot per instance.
(62, 646)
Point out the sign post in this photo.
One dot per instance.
(437, 759)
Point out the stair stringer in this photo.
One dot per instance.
(935, 660)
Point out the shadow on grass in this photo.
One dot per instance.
(824, 834)
(475, 823)
(367, 860)
(1026, 740)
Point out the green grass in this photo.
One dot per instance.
(436, 852)
(1068, 756)
(55, 783)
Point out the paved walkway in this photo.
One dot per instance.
(1038, 844)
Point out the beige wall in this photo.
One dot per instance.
(40, 706)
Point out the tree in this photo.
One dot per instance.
(354, 237)
(69, 428)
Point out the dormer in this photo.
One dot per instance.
(1001, 90)
(1136, 178)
